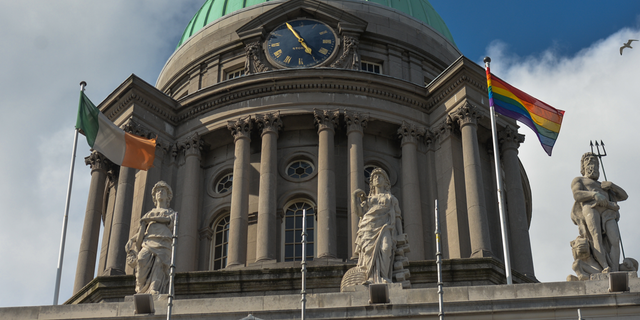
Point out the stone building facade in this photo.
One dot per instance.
(247, 140)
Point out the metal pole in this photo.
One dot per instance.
(304, 264)
(172, 268)
(496, 157)
(439, 264)
(65, 219)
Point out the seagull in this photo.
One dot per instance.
(627, 45)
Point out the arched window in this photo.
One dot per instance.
(219, 245)
(293, 231)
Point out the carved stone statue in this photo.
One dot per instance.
(595, 212)
(379, 229)
(149, 250)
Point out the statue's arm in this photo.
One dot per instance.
(580, 192)
(618, 193)
(359, 199)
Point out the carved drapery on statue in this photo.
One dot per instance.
(380, 242)
(595, 212)
(149, 250)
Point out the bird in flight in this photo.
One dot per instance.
(627, 45)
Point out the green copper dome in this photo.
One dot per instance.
(214, 9)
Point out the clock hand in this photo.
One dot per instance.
(306, 48)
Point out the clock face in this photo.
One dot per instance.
(301, 43)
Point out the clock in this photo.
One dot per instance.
(301, 43)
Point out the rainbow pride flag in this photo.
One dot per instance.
(542, 118)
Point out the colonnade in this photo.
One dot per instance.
(326, 121)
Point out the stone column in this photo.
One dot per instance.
(411, 206)
(186, 254)
(269, 124)
(116, 256)
(467, 116)
(326, 120)
(356, 121)
(520, 244)
(91, 228)
(239, 216)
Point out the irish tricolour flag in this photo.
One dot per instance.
(120, 147)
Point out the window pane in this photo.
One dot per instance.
(298, 235)
(289, 223)
(298, 250)
(288, 251)
(288, 236)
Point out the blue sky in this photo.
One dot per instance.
(563, 52)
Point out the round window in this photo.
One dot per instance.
(224, 184)
(300, 169)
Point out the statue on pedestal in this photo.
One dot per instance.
(595, 212)
(380, 242)
(149, 250)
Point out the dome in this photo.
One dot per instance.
(214, 9)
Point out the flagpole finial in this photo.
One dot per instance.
(487, 59)
(82, 85)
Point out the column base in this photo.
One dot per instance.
(482, 254)
(113, 272)
(234, 266)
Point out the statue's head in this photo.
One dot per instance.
(380, 178)
(589, 166)
(580, 248)
(161, 185)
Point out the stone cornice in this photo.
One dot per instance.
(136, 91)
(301, 81)
(462, 72)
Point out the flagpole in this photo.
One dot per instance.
(496, 157)
(66, 211)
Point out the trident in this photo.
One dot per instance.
(600, 155)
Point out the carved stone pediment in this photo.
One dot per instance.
(336, 18)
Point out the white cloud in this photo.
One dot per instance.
(48, 48)
(597, 89)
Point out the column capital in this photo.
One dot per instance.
(133, 127)
(192, 146)
(326, 119)
(97, 161)
(410, 133)
(356, 121)
(467, 114)
(269, 122)
(443, 130)
(509, 138)
(241, 128)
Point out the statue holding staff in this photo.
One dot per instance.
(596, 214)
